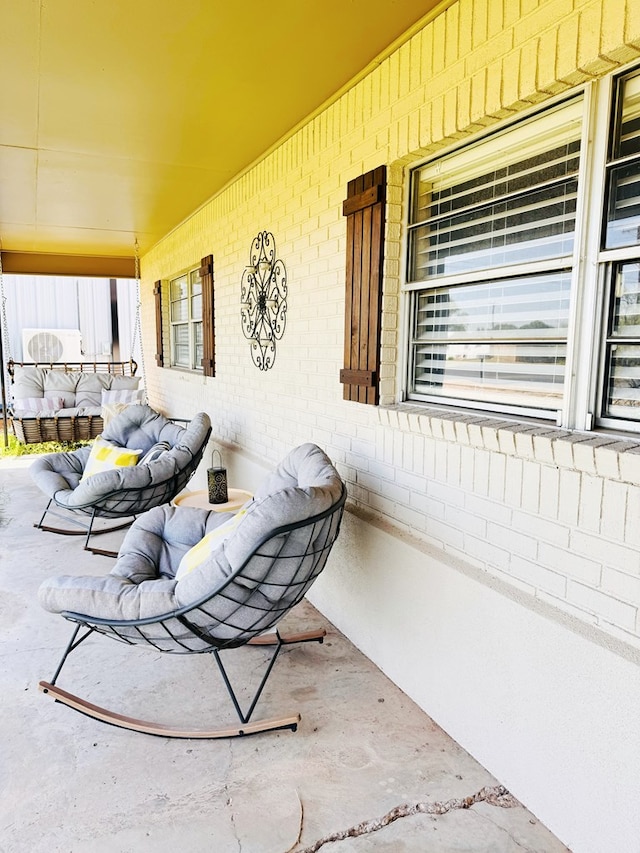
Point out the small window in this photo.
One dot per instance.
(185, 314)
(190, 343)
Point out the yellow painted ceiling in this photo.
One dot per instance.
(118, 118)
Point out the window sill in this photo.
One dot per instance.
(190, 371)
(604, 455)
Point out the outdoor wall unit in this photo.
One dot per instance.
(51, 345)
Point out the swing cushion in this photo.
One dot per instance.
(143, 582)
(79, 393)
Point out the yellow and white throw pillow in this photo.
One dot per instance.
(105, 456)
(203, 549)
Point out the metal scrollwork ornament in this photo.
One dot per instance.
(263, 300)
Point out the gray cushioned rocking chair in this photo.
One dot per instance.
(259, 565)
(170, 454)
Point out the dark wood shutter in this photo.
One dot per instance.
(364, 208)
(157, 292)
(208, 324)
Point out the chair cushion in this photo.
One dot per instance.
(139, 427)
(285, 504)
(155, 452)
(59, 472)
(143, 581)
(105, 456)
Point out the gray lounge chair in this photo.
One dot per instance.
(169, 456)
(257, 566)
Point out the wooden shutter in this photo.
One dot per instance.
(157, 292)
(364, 208)
(208, 324)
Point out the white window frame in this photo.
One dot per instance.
(193, 323)
(587, 325)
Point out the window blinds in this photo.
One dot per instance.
(508, 200)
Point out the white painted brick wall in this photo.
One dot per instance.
(554, 514)
(539, 523)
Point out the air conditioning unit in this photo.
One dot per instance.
(51, 345)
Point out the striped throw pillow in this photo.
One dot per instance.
(40, 404)
(122, 395)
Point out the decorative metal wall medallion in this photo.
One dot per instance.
(263, 300)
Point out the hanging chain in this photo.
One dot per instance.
(137, 328)
(5, 350)
(5, 325)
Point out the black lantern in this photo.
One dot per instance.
(217, 481)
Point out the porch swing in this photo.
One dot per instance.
(65, 401)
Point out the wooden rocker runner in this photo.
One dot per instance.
(240, 577)
(161, 730)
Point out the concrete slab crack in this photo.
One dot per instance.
(496, 796)
(229, 804)
(297, 841)
(524, 847)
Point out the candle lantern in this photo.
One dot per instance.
(217, 481)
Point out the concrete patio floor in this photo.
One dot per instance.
(69, 783)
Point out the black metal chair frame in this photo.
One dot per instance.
(323, 530)
(127, 503)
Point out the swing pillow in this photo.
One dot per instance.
(110, 410)
(41, 404)
(105, 456)
(117, 400)
(122, 395)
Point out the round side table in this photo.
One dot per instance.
(200, 499)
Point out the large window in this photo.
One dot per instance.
(508, 277)
(185, 311)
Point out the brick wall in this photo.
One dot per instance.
(551, 513)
